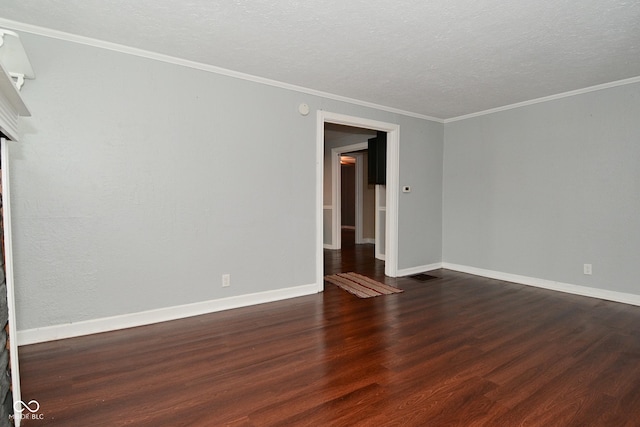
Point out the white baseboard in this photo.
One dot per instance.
(329, 246)
(367, 240)
(131, 320)
(69, 330)
(419, 269)
(586, 291)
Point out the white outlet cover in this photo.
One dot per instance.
(226, 280)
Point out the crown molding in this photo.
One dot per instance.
(547, 98)
(61, 35)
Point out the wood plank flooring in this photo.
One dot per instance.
(458, 350)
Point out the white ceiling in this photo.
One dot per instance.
(439, 58)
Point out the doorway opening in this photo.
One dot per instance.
(329, 222)
(351, 192)
(336, 137)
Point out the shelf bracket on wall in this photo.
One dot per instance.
(14, 59)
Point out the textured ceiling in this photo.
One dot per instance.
(439, 58)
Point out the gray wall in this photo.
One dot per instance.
(541, 190)
(138, 183)
(420, 217)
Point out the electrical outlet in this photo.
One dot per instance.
(226, 280)
(587, 269)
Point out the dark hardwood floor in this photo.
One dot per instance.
(457, 350)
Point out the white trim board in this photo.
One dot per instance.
(12, 106)
(88, 41)
(419, 269)
(359, 220)
(547, 284)
(131, 320)
(9, 276)
(547, 98)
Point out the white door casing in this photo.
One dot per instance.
(359, 197)
(8, 259)
(392, 189)
(336, 202)
(381, 225)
